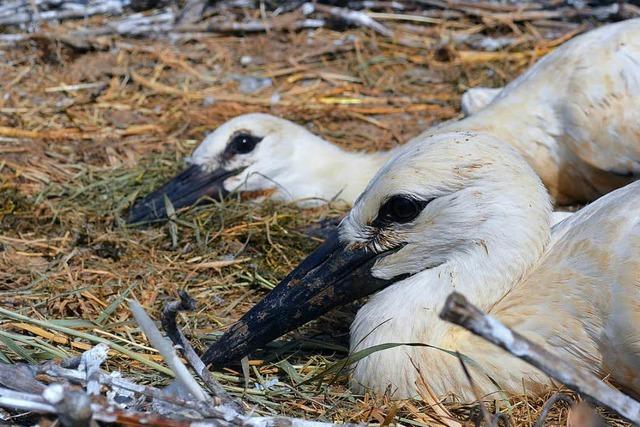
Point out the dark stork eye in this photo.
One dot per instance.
(243, 143)
(400, 209)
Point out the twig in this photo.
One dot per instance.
(483, 410)
(72, 406)
(105, 379)
(110, 414)
(461, 312)
(353, 17)
(23, 13)
(90, 363)
(170, 326)
(549, 404)
(163, 346)
(191, 11)
(20, 377)
(11, 399)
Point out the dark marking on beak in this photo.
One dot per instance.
(183, 190)
(331, 276)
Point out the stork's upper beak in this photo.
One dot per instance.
(185, 189)
(333, 275)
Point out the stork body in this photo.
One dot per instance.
(573, 115)
(463, 211)
(476, 98)
(574, 289)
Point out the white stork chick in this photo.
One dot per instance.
(267, 155)
(573, 116)
(274, 158)
(476, 98)
(476, 222)
(464, 212)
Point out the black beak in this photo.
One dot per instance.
(185, 189)
(333, 275)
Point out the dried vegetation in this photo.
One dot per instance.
(86, 125)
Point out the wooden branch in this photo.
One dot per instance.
(161, 24)
(12, 399)
(116, 383)
(20, 12)
(20, 377)
(461, 312)
(75, 407)
(351, 16)
(170, 326)
(167, 351)
(72, 406)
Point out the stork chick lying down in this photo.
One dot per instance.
(258, 152)
(462, 211)
(263, 153)
(572, 116)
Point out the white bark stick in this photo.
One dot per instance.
(165, 348)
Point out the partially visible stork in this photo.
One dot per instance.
(462, 211)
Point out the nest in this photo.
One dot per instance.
(89, 122)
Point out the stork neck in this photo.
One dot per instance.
(327, 171)
(355, 170)
(407, 312)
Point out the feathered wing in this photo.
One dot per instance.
(599, 109)
(582, 300)
(573, 115)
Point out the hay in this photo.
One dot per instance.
(83, 132)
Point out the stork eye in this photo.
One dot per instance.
(400, 209)
(243, 143)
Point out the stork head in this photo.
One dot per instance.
(452, 198)
(251, 153)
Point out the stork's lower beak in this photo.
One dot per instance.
(185, 189)
(333, 275)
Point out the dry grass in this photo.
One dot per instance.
(73, 159)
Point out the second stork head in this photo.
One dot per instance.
(260, 153)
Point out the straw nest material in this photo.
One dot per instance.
(83, 131)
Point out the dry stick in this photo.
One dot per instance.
(549, 404)
(23, 13)
(108, 413)
(166, 350)
(55, 371)
(160, 25)
(170, 326)
(354, 17)
(12, 399)
(20, 377)
(461, 312)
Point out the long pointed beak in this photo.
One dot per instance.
(183, 190)
(331, 276)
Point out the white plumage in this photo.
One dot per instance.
(475, 99)
(573, 116)
(574, 289)
(463, 207)
(293, 164)
(289, 163)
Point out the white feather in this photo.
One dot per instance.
(573, 116)
(574, 289)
